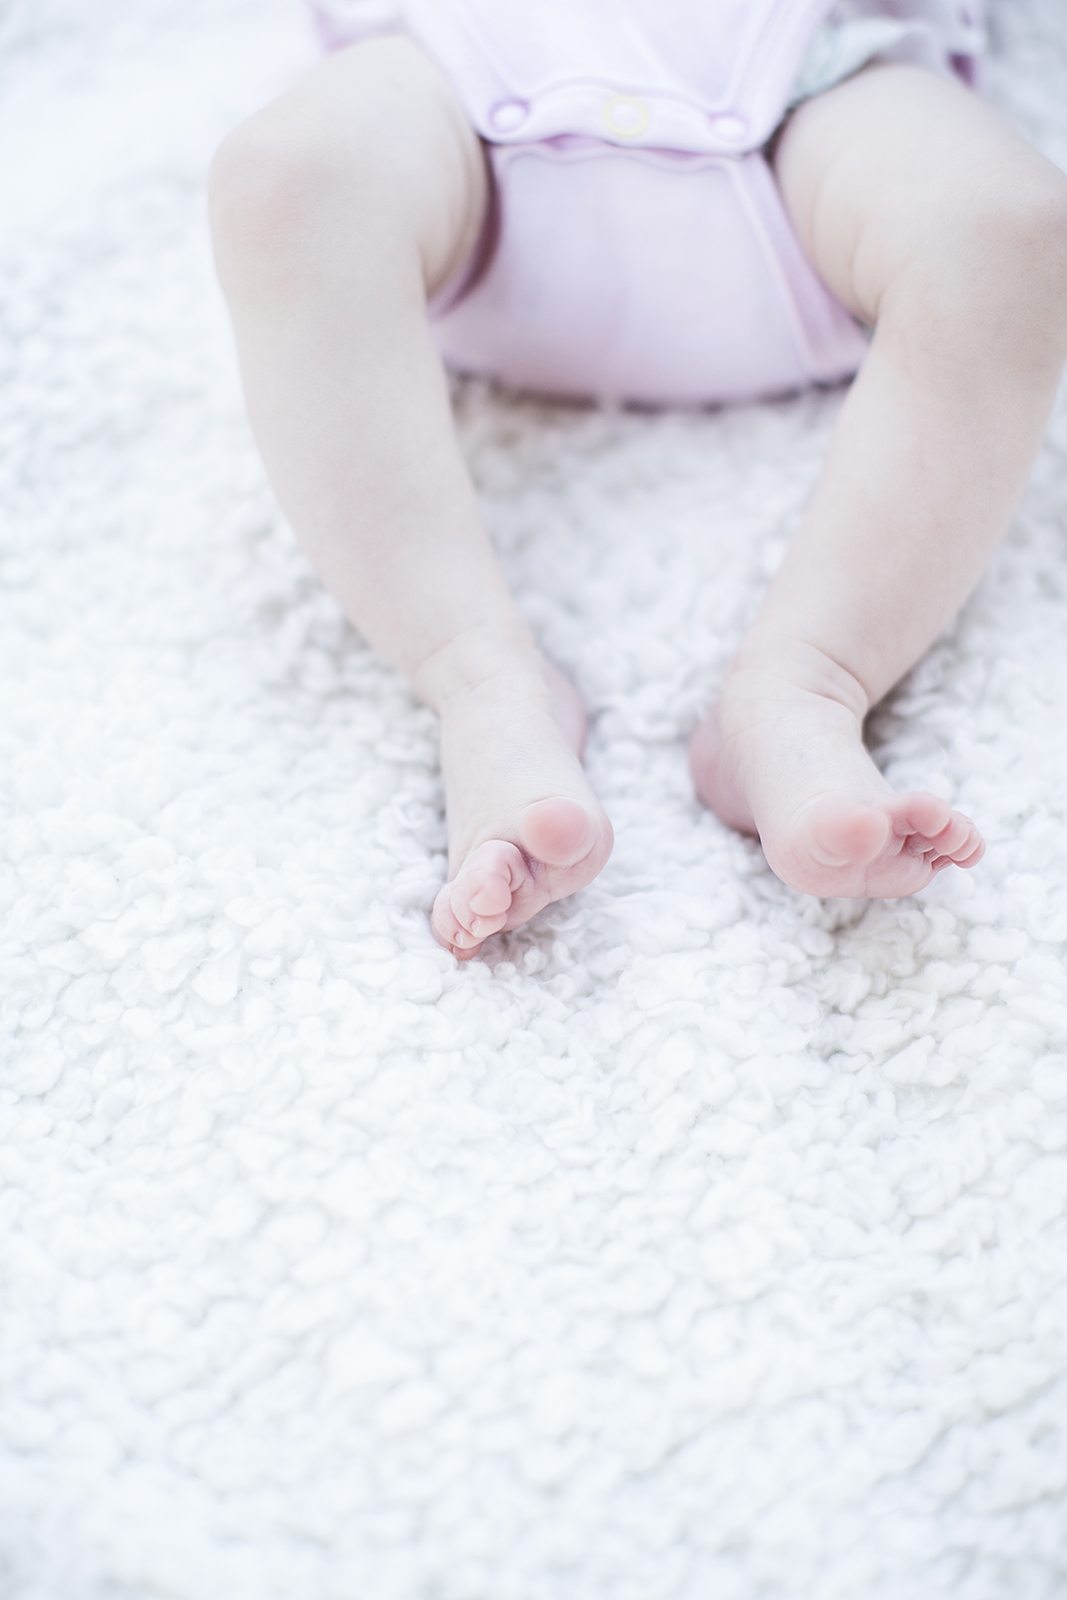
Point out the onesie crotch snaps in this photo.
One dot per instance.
(508, 116)
(730, 127)
(625, 116)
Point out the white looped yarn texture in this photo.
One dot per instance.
(702, 1241)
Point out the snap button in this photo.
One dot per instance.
(507, 115)
(729, 126)
(626, 116)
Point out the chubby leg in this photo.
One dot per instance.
(336, 212)
(934, 222)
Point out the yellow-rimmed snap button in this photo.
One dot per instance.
(626, 116)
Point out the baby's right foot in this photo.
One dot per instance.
(782, 756)
(524, 828)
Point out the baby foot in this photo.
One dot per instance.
(783, 758)
(501, 885)
(524, 827)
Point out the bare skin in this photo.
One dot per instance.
(341, 208)
(938, 226)
(337, 212)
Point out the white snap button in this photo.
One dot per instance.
(626, 116)
(729, 126)
(508, 115)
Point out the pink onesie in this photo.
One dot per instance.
(637, 247)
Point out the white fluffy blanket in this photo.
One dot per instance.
(704, 1241)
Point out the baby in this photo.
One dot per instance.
(427, 168)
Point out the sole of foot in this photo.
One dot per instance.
(559, 848)
(513, 853)
(793, 770)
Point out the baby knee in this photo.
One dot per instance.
(370, 149)
(264, 183)
(1017, 227)
(1034, 224)
(996, 263)
(1024, 243)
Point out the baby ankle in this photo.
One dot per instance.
(803, 665)
(471, 659)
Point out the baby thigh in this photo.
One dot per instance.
(933, 221)
(366, 166)
(336, 211)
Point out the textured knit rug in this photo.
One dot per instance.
(701, 1242)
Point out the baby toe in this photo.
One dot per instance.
(487, 881)
(842, 833)
(923, 816)
(950, 838)
(559, 832)
(974, 854)
(448, 929)
(960, 842)
(475, 904)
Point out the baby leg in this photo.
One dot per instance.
(933, 221)
(336, 212)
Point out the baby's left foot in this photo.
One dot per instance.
(524, 828)
(782, 756)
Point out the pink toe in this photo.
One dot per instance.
(475, 904)
(958, 843)
(962, 842)
(921, 813)
(557, 832)
(489, 895)
(453, 945)
(972, 858)
(443, 918)
(459, 943)
(954, 837)
(487, 880)
(845, 834)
